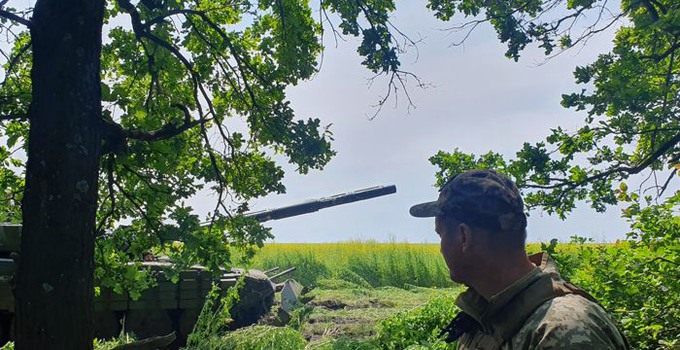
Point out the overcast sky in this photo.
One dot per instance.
(479, 101)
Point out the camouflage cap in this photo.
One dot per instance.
(482, 198)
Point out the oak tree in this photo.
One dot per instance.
(125, 109)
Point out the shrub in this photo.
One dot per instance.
(638, 287)
(419, 327)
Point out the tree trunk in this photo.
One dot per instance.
(55, 291)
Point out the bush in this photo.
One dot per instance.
(638, 286)
(418, 328)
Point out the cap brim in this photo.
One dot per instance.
(425, 210)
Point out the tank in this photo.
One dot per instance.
(169, 306)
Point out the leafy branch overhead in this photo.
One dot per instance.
(193, 99)
(629, 97)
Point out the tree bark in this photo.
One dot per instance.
(54, 290)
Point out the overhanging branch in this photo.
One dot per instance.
(653, 13)
(15, 18)
(142, 32)
(14, 61)
(4, 117)
(631, 170)
(159, 19)
(664, 54)
(170, 130)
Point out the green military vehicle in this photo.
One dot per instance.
(169, 306)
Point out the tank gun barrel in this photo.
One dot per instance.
(321, 203)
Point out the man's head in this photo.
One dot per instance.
(479, 217)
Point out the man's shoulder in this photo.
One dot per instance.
(569, 308)
(570, 320)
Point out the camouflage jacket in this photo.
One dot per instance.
(540, 311)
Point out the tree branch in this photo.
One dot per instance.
(170, 130)
(650, 8)
(664, 54)
(170, 13)
(141, 32)
(658, 258)
(15, 18)
(618, 169)
(668, 181)
(139, 206)
(14, 61)
(112, 195)
(146, 180)
(4, 117)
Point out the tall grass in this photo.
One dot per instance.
(262, 338)
(363, 263)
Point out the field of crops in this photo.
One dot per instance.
(368, 264)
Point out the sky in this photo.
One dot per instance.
(478, 101)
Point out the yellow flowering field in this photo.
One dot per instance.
(366, 263)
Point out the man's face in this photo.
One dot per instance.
(451, 247)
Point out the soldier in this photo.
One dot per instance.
(514, 301)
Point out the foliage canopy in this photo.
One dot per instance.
(194, 101)
(629, 97)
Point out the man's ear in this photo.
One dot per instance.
(465, 236)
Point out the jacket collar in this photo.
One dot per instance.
(504, 313)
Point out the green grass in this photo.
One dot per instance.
(363, 263)
(342, 317)
(262, 338)
(354, 312)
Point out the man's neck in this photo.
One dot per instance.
(501, 273)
